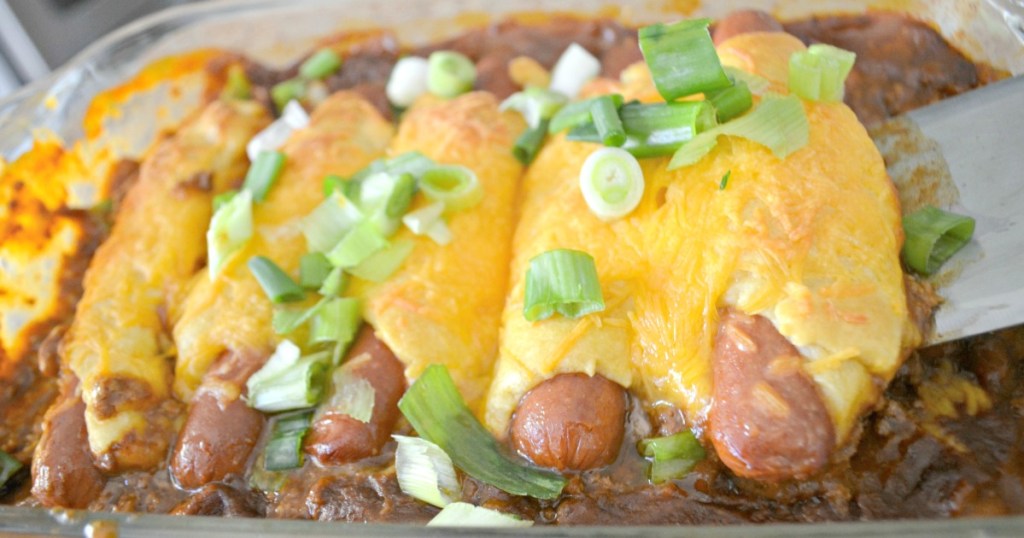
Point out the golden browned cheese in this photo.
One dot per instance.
(118, 345)
(231, 312)
(811, 242)
(443, 305)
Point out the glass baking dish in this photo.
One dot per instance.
(986, 30)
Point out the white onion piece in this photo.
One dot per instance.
(574, 69)
(408, 81)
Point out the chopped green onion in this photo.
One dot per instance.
(535, 104)
(335, 283)
(296, 387)
(612, 183)
(285, 92)
(778, 123)
(263, 174)
(383, 263)
(456, 186)
(425, 472)
(655, 129)
(578, 113)
(933, 236)
(819, 73)
(284, 357)
(332, 183)
(606, 119)
(326, 225)
(460, 514)
(662, 471)
(681, 445)
(682, 58)
(359, 243)
(672, 456)
(294, 116)
(278, 286)
(437, 411)
(724, 182)
(222, 199)
(428, 221)
(313, 270)
(237, 85)
(450, 74)
(408, 81)
(8, 468)
(410, 162)
(284, 449)
(323, 63)
(286, 320)
(230, 228)
(731, 102)
(573, 70)
(336, 321)
(530, 142)
(401, 196)
(350, 395)
(757, 84)
(563, 281)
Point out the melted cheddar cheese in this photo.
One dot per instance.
(811, 242)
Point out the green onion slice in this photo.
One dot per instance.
(655, 129)
(428, 221)
(237, 85)
(778, 123)
(337, 320)
(263, 174)
(456, 186)
(350, 395)
(321, 64)
(278, 286)
(460, 514)
(425, 472)
(286, 320)
(359, 243)
(408, 81)
(222, 199)
(724, 182)
(606, 119)
(757, 84)
(285, 92)
(563, 281)
(450, 74)
(313, 270)
(383, 263)
(326, 225)
(578, 113)
(682, 58)
(284, 449)
(335, 283)
(933, 236)
(230, 228)
(535, 104)
(437, 411)
(401, 196)
(672, 456)
(8, 468)
(332, 183)
(731, 102)
(573, 70)
(819, 73)
(529, 143)
(298, 386)
(284, 357)
(612, 183)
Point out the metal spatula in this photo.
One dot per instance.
(967, 154)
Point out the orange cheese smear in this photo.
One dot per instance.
(811, 242)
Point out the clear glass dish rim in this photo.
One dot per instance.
(43, 522)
